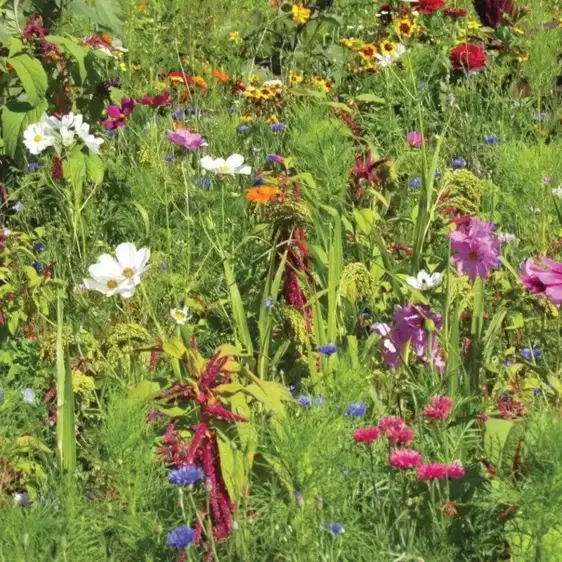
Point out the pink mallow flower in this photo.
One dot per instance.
(118, 114)
(187, 139)
(476, 249)
(396, 430)
(439, 408)
(543, 277)
(366, 435)
(404, 459)
(415, 139)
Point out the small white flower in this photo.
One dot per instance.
(67, 136)
(180, 315)
(387, 60)
(232, 165)
(272, 84)
(112, 276)
(557, 192)
(117, 45)
(37, 137)
(68, 120)
(507, 238)
(83, 131)
(424, 280)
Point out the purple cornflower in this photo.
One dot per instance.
(185, 476)
(277, 127)
(181, 537)
(243, 129)
(39, 246)
(118, 114)
(186, 139)
(278, 159)
(177, 115)
(539, 116)
(305, 401)
(491, 139)
(529, 354)
(356, 410)
(416, 183)
(415, 139)
(438, 174)
(458, 163)
(37, 266)
(170, 158)
(328, 349)
(476, 249)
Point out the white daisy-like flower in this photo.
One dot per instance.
(119, 275)
(387, 60)
(180, 315)
(37, 137)
(83, 131)
(67, 136)
(424, 280)
(232, 165)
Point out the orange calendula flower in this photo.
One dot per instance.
(299, 13)
(262, 194)
(221, 75)
(199, 81)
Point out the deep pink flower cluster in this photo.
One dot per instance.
(366, 435)
(439, 408)
(543, 278)
(476, 248)
(412, 323)
(404, 459)
(396, 430)
(439, 471)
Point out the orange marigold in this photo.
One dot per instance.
(262, 194)
(221, 75)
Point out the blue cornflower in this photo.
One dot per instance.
(205, 183)
(416, 183)
(328, 349)
(111, 132)
(335, 528)
(507, 363)
(258, 180)
(37, 266)
(243, 128)
(177, 114)
(528, 353)
(539, 116)
(298, 498)
(27, 395)
(268, 303)
(458, 163)
(181, 537)
(304, 401)
(491, 139)
(185, 476)
(277, 127)
(169, 158)
(33, 166)
(2, 394)
(39, 246)
(356, 409)
(194, 110)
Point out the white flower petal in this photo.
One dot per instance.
(125, 254)
(245, 170)
(235, 161)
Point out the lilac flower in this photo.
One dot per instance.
(476, 249)
(416, 183)
(185, 476)
(328, 349)
(458, 163)
(187, 139)
(181, 537)
(335, 528)
(356, 410)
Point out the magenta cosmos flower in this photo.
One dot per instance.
(118, 114)
(546, 277)
(405, 459)
(439, 408)
(476, 249)
(366, 435)
(187, 139)
(415, 139)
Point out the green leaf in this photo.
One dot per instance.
(94, 168)
(228, 465)
(16, 116)
(271, 395)
(74, 168)
(78, 52)
(106, 13)
(174, 348)
(370, 98)
(32, 76)
(145, 391)
(365, 219)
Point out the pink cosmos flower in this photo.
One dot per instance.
(476, 248)
(439, 408)
(546, 277)
(415, 139)
(366, 435)
(455, 471)
(404, 459)
(187, 139)
(431, 471)
(118, 114)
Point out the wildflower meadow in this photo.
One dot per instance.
(280, 280)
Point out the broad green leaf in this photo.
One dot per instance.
(370, 98)
(32, 76)
(228, 464)
(173, 412)
(16, 116)
(94, 168)
(145, 391)
(106, 13)
(174, 348)
(78, 52)
(365, 219)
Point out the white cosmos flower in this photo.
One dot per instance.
(424, 280)
(119, 275)
(232, 165)
(37, 137)
(83, 131)
(180, 315)
(67, 136)
(387, 60)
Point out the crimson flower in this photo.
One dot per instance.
(160, 100)
(404, 459)
(493, 12)
(118, 114)
(366, 435)
(469, 57)
(427, 7)
(455, 12)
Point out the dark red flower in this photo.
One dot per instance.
(427, 7)
(34, 29)
(160, 100)
(492, 12)
(469, 57)
(56, 169)
(455, 12)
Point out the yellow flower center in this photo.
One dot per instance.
(224, 169)
(111, 284)
(180, 315)
(128, 273)
(37, 138)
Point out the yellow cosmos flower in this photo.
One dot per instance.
(299, 13)
(235, 37)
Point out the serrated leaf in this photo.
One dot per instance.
(32, 76)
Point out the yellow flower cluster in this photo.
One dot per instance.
(262, 93)
(300, 14)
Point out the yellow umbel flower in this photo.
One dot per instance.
(299, 13)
